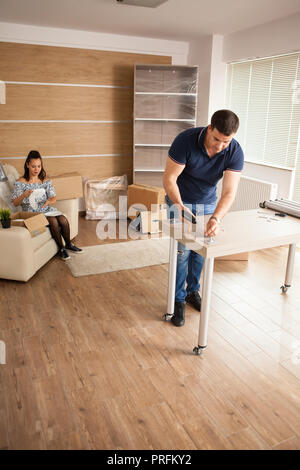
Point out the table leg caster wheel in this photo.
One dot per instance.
(284, 289)
(197, 350)
(167, 316)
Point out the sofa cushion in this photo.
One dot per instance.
(41, 239)
(5, 195)
(69, 207)
(44, 253)
(6, 187)
(11, 173)
(16, 254)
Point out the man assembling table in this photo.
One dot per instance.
(198, 159)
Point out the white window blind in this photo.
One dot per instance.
(265, 94)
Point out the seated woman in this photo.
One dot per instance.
(35, 193)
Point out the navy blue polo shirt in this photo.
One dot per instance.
(197, 183)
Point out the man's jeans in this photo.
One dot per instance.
(189, 263)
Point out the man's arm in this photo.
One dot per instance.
(230, 184)
(171, 174)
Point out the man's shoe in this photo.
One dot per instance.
(63, 254)
(179, 311)
(195, 300)
(73, 248)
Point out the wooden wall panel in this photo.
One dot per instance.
(47, 64)
(35, 63)
(65, 139)
(62, 103)
(88, 167)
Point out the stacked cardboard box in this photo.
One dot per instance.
(148, 202)
(67, 186)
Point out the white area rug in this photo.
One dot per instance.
(100, 259)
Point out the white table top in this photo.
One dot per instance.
(241, 231)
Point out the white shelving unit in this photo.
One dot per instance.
(165, 104)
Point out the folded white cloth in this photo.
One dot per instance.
(53, 213)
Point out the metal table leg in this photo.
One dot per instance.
(205, 305)
(171, 278)
(289, 268)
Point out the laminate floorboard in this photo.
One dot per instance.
(91, 365)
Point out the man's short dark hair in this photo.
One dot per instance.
(225, 121)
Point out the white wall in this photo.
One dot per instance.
(200, 53)
(212, 53)
(274, 38)
(283, 177)
(217, 76)
(11, 32)
(207, 52)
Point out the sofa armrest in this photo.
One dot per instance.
(69, 207)
(16, 254)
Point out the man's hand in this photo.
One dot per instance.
(188, 217)
(212, 228)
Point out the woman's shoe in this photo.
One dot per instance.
(63, 254)
(73, 248)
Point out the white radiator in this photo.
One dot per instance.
(251, 192)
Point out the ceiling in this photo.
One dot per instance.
(174, 19)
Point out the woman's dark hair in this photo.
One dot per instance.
(33, 155)
(225, 121)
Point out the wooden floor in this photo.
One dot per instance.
(91, 365)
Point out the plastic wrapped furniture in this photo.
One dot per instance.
(165, 104)
(102, 198)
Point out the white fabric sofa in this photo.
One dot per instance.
(21, 255)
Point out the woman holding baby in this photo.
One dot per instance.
(35, 193)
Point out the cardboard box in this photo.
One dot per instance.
(142, 194)
(33, 221)
(67, 186)
(151, 221)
